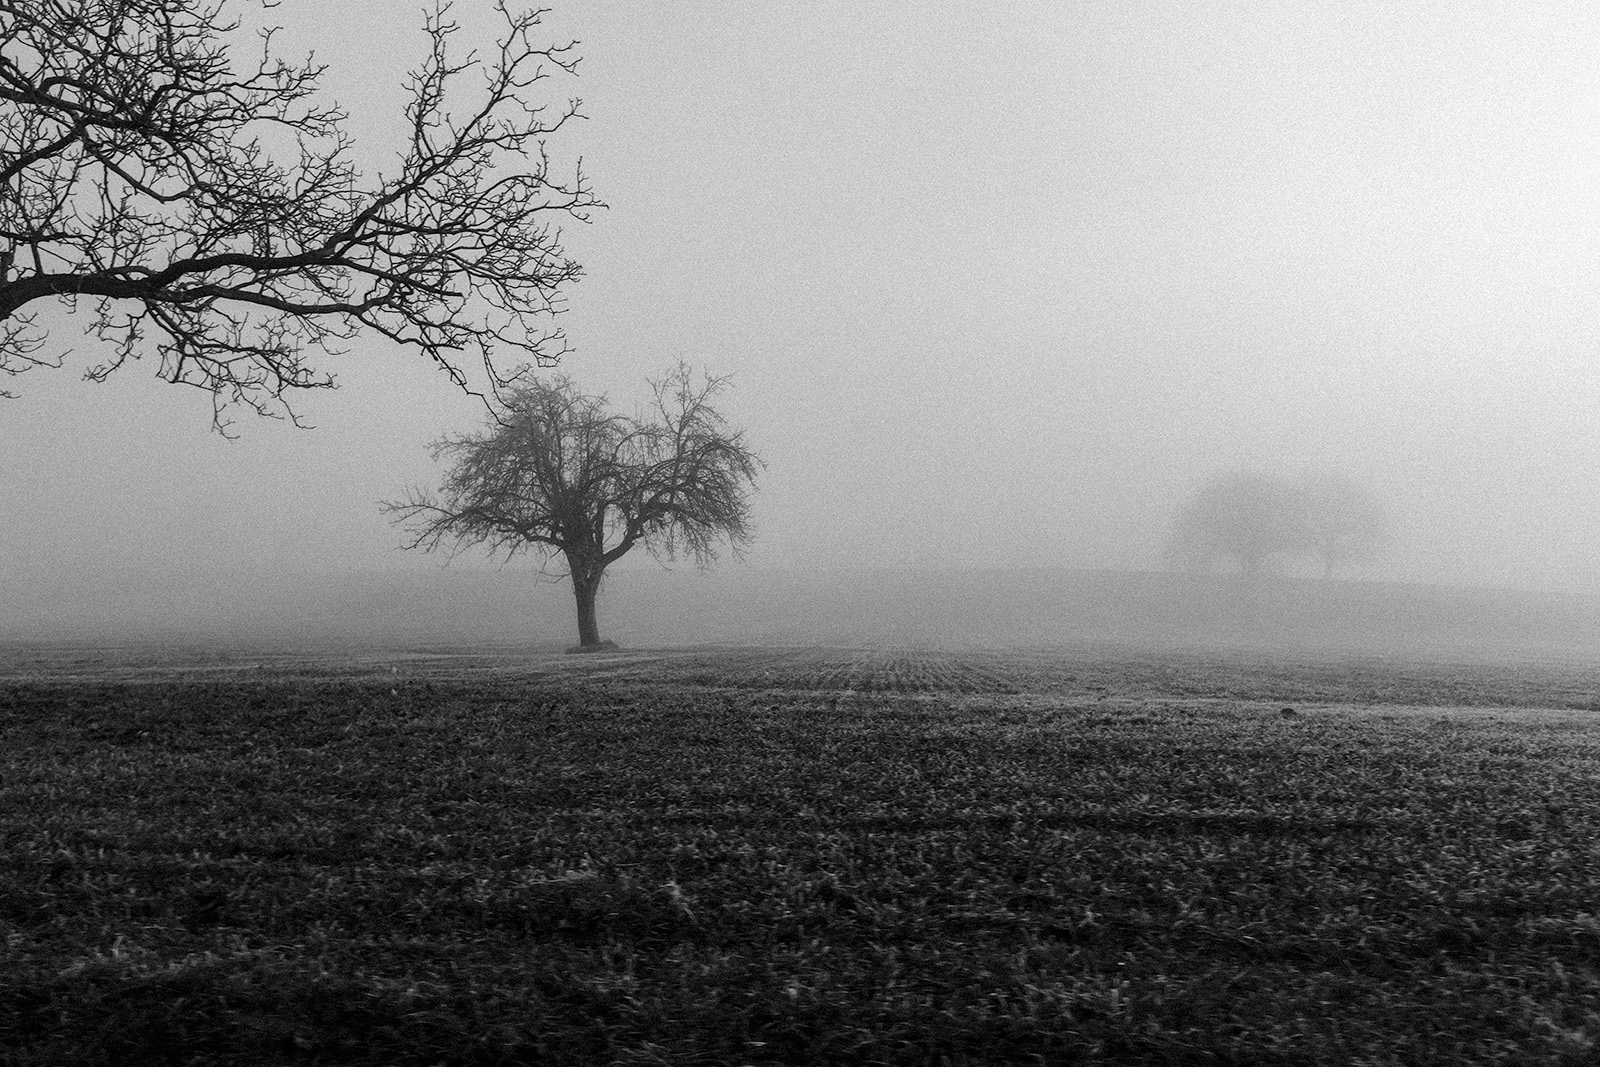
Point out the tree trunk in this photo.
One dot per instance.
(584, 590)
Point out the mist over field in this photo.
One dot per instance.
(998, 288)
(464, 607)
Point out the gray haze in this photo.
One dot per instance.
(999, 284)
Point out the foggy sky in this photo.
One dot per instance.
(998, 284)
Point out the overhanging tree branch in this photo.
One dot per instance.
(213, 216)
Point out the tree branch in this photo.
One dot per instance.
(135, 169)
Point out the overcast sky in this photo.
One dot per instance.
(998, 283)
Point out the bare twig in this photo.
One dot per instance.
(135, 171)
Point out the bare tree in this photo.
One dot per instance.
(1259, 519)
(210, 212)
(1344, 522)
(1248, 517)
(559, 474)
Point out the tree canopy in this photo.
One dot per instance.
(1257, 520)
(560, 474)
(208, 209)
(1344, 522)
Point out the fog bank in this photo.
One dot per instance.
(462, 607)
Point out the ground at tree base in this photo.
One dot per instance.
(798, 856)
(598, 646)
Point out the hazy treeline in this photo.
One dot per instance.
(1255, 521)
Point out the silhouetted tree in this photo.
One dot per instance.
(1344, 522)
(210, 212)
(562, 475)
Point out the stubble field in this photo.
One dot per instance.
(798, 856)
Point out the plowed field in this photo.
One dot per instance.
(730, 856)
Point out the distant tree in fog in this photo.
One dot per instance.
(1258, 520)
(560, 474)
(1344, 522)
(207, 206)
(1246, 517)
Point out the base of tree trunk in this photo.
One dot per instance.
(601, 646)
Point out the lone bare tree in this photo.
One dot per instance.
(560, 474)
(210, 212)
